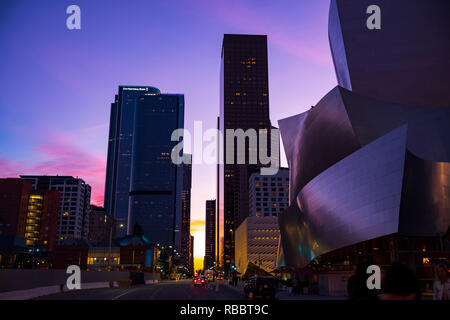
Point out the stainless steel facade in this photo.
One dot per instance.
(406, 61)
(372, 158)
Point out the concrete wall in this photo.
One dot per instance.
(26, 284)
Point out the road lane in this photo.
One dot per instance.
(165, 290)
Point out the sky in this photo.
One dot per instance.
(56, 85)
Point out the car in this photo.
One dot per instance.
(260, 286)
(174, 276)
(199, 281)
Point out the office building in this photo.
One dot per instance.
(191, 255)
(42, 219)
(14, 195)
(28, 224)
(244, 104)
(102, 226)
(155, 181)
(210, 234)
(186, 214)
(29, 214)
(269, 195)
(74, 204)
(120, 145)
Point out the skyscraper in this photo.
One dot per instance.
(210, 234)
(191, 255)
(120, 144)
(186, 214)
(74, 204)
(155, 181)
(244, 105)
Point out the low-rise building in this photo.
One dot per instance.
(102, 226)
(257, 242)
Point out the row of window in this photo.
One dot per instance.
(271, 199)
(271, 179)
(274, 205)
(266, 214)
(271, 190)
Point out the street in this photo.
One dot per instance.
(165, 290)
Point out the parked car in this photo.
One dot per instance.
(260, 286)
(199, 281)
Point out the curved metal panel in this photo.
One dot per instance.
(324, 136)
(405, 62)
(428, 127)
(337, 47)
(425, 209)
(358, 198)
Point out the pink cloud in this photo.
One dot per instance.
(52, 159)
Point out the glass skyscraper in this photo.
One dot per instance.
(144, 186)
(120, 142)
(155, 188)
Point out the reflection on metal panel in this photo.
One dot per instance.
(406, 61)
(358, 198)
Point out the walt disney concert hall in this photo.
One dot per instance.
(370, 162)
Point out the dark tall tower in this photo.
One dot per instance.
(191, 255)
(186, 215)
(210, 234)
(155, 181)
(244, 105)
(120, 144)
